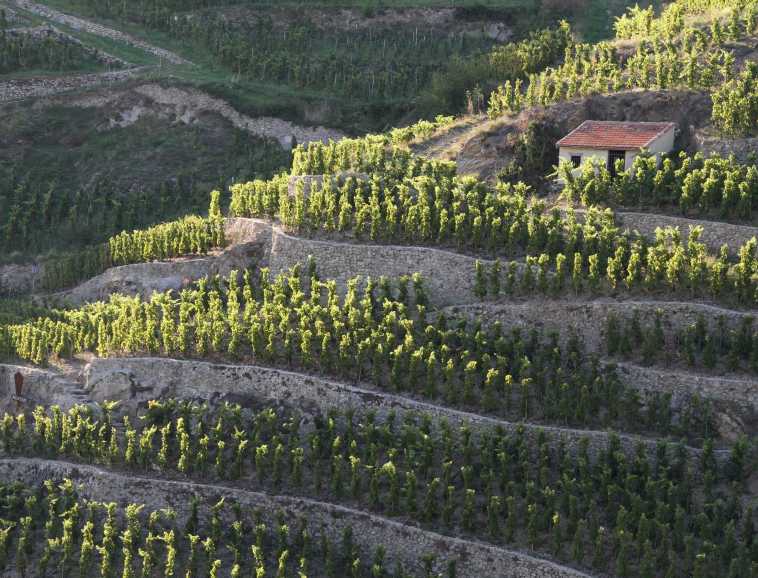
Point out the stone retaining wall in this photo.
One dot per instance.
(41, 387)
(137, 380)
(146, 278)
(742, 393)
(449, 277)
(402, 542)
(589, 318)
(20, 89)
(714, 234)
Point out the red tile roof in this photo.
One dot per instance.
(602, 134)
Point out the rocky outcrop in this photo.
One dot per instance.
(19, 279)
(403, 542)
(489, 145)
(192, 102)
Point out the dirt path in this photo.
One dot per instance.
(446, 144)
(407, 542)
(99, 30)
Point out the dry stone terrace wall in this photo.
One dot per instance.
(714, 233)
(402, 542)
(448, 277)
(734, 406)
(589, 318)
(20, 89)
(41, 387)
(744, 149)
(137, 380)
(146, 278)
(741, 393)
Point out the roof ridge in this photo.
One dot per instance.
(621, 134)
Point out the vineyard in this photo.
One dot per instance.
(220, 357)
(49, 205)
(25, 52)
(669, 55)
(692, 185)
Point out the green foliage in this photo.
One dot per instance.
(670, 55)
(506, 62)
(582, 492)
(374, 337)
(667, 264)
(82, 537)
(376, 63)
(735, 103)
(187, 236)
(700, 344)
(694, 184)
(73, 185)
(24, 51)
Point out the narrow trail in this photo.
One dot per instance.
(78, 23)
(407, 540)
(442, 145)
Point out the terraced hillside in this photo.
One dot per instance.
(379, 364)
(89, 93)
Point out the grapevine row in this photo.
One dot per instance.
(23, 51)
(51, 529)
(378, 336)
(467, 214)
(640, 511)
(694, 59)
(692, 183)
(187, 236)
